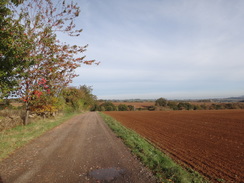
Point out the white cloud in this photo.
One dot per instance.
(148, 47)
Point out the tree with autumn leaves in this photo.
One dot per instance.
(47, 65)
(77, 98)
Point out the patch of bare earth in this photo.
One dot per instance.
(210, 142)
(82, 149)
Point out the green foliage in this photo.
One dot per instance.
(203, 106)
(196, 107)
(14, 47)
(162, 102)
(229, 106)
(95, 107)
(172, 105)
(72, 97)
(131, 107)
(34, 64)
(185, 106)
(102, 108)
(123, 107)
(4, 8)
(47, 105)
(77, 99)
(108, 106)
(217, 107)
(89, 99)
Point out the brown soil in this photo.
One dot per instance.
(210, 142)
(83, 150)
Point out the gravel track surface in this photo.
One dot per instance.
(83, 149)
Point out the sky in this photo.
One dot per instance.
(176, 49)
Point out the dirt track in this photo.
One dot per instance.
(211, 142)
(82, 149)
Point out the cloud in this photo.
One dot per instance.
(152, 48)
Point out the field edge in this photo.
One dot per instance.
(162, 166)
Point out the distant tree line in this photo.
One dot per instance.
(163, 104)
(109, 106)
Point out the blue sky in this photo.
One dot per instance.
(177, 49)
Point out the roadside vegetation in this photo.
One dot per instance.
(71, 100)
(18, 136)
(36, 69)
(35, 66)
(14, 134)
(163, 167)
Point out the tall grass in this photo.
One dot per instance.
(165, 169)
(12, 112)
(19, 136)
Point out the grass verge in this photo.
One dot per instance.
(16, 137)
(162, 166)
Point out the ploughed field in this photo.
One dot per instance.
(211, 142)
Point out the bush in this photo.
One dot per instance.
(229, 106)
(196, 107)
(172, 105)
(81, 98)
(203, 106)
(151, 108)
(95, 107)
(108, 106)
(131, 107)
(123, 107)
(162, 102)
(47, 105)
(10, 118)
(185, 106)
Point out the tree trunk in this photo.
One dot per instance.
(26, 117)
(27, 111)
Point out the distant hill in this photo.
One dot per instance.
(231, 99)
(237, 98)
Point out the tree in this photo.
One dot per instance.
(108, 106)
(72, 97)
(131, 107)
(78, 98)
(43, 102)
(185, 106)
(172, 105)
(162, 102)
(48, 60)
(95, 107)
(123, 107)
(89, 99)
(13, 48)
